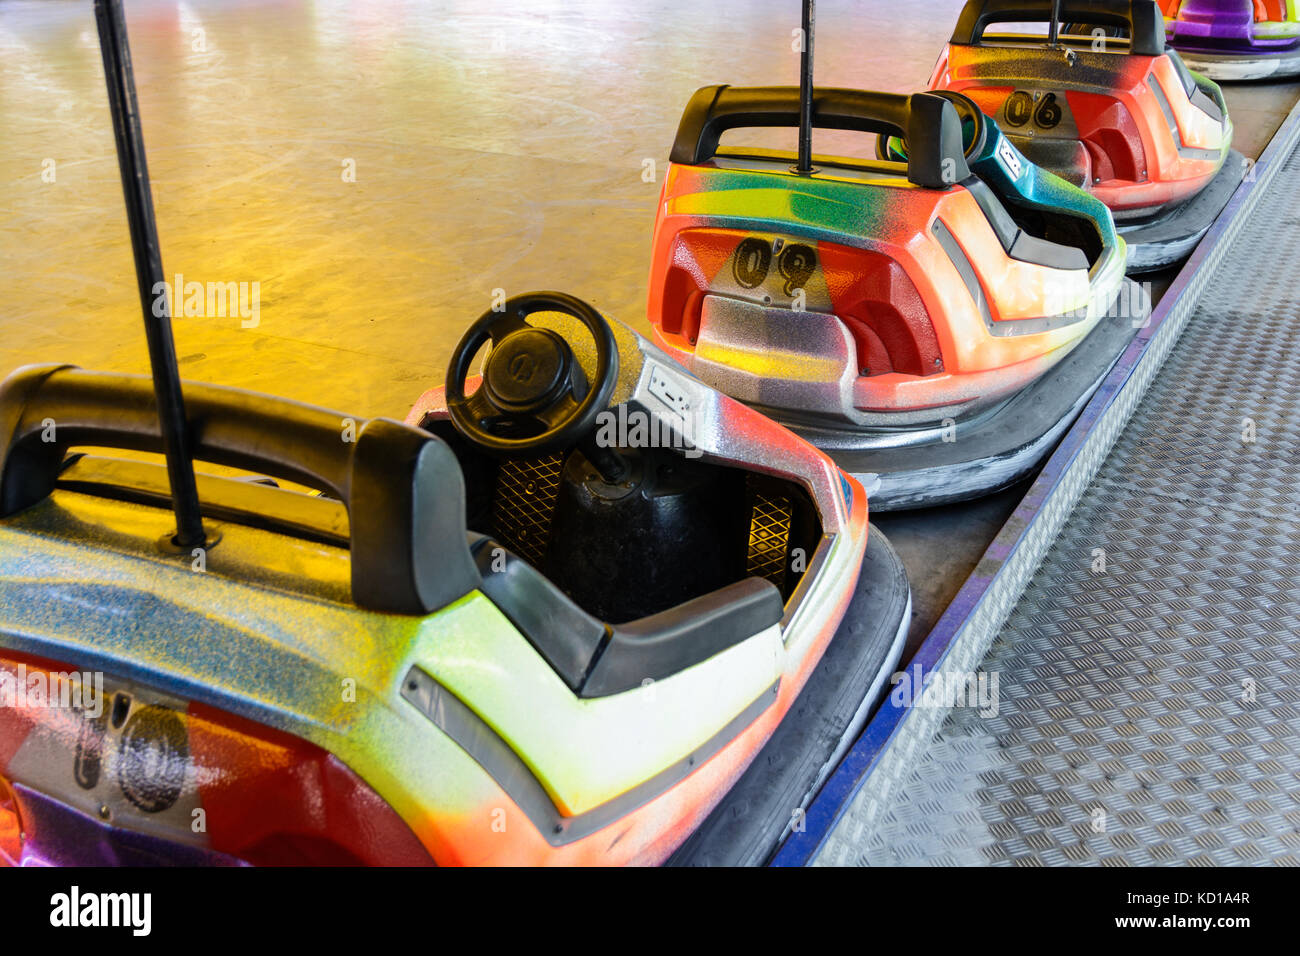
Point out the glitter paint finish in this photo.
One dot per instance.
(1140, 142)
(885, 215)
(265, 637)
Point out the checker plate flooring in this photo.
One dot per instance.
(1149, 678)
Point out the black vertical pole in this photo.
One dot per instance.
(1054, 28)
(806, 90)
(148, 270)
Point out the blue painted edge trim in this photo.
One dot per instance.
(800, 848)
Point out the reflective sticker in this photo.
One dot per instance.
(669, 392)
(1010, 159)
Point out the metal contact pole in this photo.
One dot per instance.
(148, 270)
(806, 90)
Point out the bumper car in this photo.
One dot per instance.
(470, 649)
(1102, 103)
(570, 615)
(1236, 39)
(933, 320)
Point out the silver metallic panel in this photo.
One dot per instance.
(777, 358)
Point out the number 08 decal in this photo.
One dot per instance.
(152, 755)
(752, 262)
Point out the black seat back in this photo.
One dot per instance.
(402, 487)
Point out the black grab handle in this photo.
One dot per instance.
(929, 124)
(1142, 18)
(402, 487)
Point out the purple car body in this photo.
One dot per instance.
(1235, 39)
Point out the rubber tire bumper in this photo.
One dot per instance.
(747, 826)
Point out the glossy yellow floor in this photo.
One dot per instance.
(377, 168)
(489, 150)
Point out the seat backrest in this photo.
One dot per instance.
(402, 487)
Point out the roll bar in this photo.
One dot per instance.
(929, 124)
(1142, 18)
(402, 487)
(129, 139)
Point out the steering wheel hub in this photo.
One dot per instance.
(535, 397)
(528, 370)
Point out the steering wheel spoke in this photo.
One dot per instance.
(556, 415)
(479, 408)
(506, 323)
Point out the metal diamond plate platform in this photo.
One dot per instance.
(1149, 676)
(524, 503)
(769, 537)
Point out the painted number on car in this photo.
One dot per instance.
(752, 262)
(152, 754)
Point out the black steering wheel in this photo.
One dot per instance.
(532, 384)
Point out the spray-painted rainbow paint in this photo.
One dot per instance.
(857, 298)
(1120, 117)
(247, 711)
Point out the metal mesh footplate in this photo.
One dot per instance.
(1149, 678)
(769, 537)
(525, 502)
